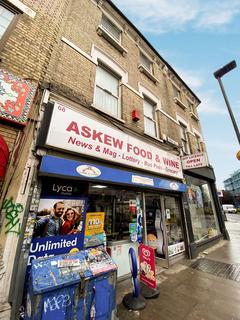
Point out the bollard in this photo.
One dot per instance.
(134, 300)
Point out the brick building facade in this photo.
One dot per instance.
(86, 55)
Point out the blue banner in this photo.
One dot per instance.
(51, 246)
(91, 171)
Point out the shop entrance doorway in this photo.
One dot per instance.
(164, 229)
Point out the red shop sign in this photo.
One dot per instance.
(147, 265)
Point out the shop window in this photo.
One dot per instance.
(107, 91)
(150, 126)
(121, 208)
(202, 209)
(184, 138)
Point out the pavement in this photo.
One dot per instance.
(206, 288)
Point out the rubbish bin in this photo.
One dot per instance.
(73, 286)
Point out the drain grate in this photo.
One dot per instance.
(220, 269)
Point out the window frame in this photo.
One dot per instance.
(192, 109)
(116, 76)
(104, 16)
(154, 120)
(144, 69)
(106, 33)
(176, 90)
(198, 143)
(184, 138)
(177, 96)
(199, 140)
(12, 24)
(143, 56)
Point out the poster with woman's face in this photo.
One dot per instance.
(59, 220)
(59, 216)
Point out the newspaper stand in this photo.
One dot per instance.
(73, 286)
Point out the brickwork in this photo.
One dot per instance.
(9, 134)
(28, 49)
(74, 75)
(35, 50)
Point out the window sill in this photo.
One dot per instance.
(106, 35)
(107, 114)
(147, 73)
(180, 103)
(153, 137)
(171, 141)
(194, 116)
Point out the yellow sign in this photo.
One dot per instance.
(238, 155)
(94, 223)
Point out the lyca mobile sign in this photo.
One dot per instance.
(76, 132)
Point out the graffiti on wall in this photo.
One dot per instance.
(11, 211)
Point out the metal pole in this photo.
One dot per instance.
(229, 109)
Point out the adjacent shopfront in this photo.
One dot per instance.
(202, 208)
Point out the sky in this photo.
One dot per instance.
(197, 37)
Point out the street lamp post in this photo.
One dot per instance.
(218, 74)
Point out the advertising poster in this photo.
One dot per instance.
(94, 229)
(94, 223)
(59, 221)
(147, 266)
(133, 230)
(176, 248)
(139, 219)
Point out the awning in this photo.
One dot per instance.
(4, 156)
(61, 167)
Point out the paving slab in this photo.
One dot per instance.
(190, 294)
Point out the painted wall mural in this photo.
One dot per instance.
(16, 97)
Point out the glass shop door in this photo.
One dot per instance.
(163, 226)
(155, 229)
(173, 223)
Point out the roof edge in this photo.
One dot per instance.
(152, 48)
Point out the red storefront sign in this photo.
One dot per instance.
(147, 266)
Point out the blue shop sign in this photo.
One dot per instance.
(52, 165)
